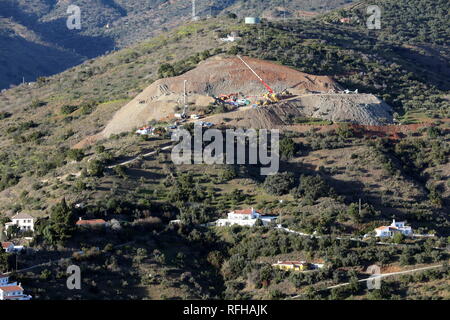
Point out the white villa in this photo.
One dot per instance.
(11, 291)
(24, 221)
(395, 227)
(247, 217)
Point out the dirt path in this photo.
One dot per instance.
(138, 156)
(374, 277)
(343, 238)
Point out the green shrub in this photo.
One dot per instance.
(68, 109)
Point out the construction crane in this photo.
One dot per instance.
(270, 96)
(260, 79)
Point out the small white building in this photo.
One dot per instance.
(180, 115)
(13, 291)
(247, 217)
(175, 222)
(24, 221)
(230, 38)
(252, 20)
(395, 227)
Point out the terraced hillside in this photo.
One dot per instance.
(336, 182)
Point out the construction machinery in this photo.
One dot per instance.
(271, 96)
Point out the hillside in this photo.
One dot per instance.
(337, 181)
(38, 27)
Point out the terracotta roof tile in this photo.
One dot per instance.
(245, 211)
(6, 245)
(11, 288)
(90, 222)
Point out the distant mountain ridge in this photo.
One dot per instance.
(38, 43)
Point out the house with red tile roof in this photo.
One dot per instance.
(90, 222)
(395, 227)
(8, 246)
(13, 291)
(345, 20)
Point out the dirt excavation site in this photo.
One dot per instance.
(310, 96)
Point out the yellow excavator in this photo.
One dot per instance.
(270, 96)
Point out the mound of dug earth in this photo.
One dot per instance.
(270, 117)
(215, 76)
(365, 109)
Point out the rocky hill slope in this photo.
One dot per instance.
(215, 76)
(224, 75)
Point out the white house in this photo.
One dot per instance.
(230, 38)
(8, 246)
(395, 227)
(247, 217)
(13, 292)
(24, 221)
(175, 222)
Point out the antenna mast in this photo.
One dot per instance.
(194, 12)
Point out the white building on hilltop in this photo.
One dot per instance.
(395, 227)
(247, 217)
(24, 221)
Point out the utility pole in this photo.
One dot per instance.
(184, 98)
(184, 94)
